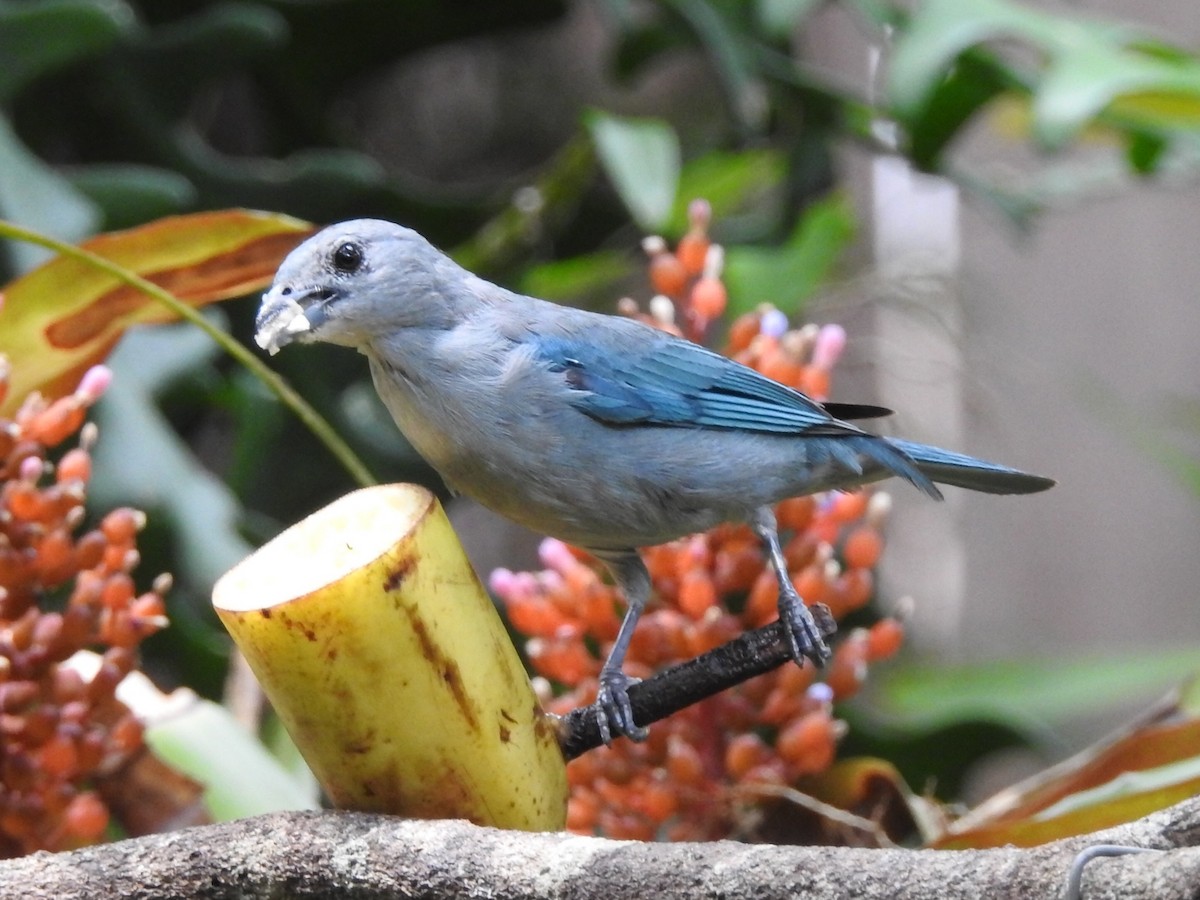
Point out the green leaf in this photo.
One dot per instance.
(1027, 690)
(728, 181)
(131, 194)
(33, 193)
(1160, 109)
(1144, 152)
(36, 38)
(579, 276)
(972, 83)
(936, 35)
(640, 45)
(720, 32)
(787, 276)
(1082, 71)
(642, 159)
(1084, 80)
(202, 740)
(779, 18)
(878, 13)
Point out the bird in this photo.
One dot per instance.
(596, 429)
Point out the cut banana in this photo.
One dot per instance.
(389, 665)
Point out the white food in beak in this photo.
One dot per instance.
(284, 319)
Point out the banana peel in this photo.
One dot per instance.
(387, 662)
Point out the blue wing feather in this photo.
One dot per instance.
(673, 382)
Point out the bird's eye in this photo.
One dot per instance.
(348, 257)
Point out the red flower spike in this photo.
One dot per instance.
(862, 547)
(693, 246)
(884, 639)
(692, 249)
(808, 743)
(667, 274)
(61, 729)
(848, 506)
(742, 332)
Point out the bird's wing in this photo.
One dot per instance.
(631, 377)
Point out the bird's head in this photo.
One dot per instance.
(352, 281)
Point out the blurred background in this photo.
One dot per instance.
(1016, 271)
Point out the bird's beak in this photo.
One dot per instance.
(287, 314)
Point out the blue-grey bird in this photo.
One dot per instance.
(595, 429)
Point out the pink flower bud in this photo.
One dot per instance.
(773, 323)
(501, 582)
(662, 309)
(31, 468)
(831, 341)
(714, 261)
(820, 692)
(552, 582)
(94, 383)
(554, 554)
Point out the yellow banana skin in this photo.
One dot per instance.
(387, 662)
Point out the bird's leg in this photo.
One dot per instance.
(804, 637)
(614, 714)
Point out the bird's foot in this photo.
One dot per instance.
(805, 638)
(614, 713)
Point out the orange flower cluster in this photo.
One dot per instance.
(61, 729)
(694, 777)
(690, 294)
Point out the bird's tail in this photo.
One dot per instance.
(946, 467)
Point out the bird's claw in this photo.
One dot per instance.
(805, 639)
(614, 712)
